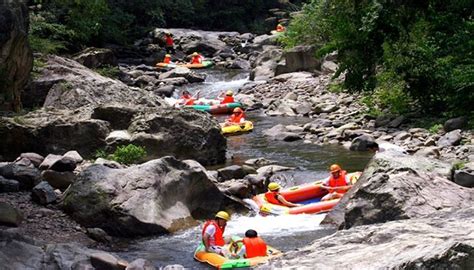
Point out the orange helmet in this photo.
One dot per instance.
(334, 168)
(238, 110)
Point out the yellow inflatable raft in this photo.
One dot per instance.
(236, 129)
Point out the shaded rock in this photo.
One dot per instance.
(200, 135)
(273, 169)
(360, 143)
(396, 122)
(119, 116)
(140, 264)
(239, 64)
(451, 138)
(465, 176)
(382, 120)
(165, 91)
(23, 162)
(49, 161)
(96, 57)
(184, 72)
(108, 163)
(259, 162)
(64, 164)
(8, 185)
(395, 186)
(9, 215)
(99, 235)
(299, 58)
(419, 243)
(60, 180)
(106, 261)
(28, 177)
(431, 151)
(74, 155)
(266, 63)
(329, 67)
(43, 193)
(231, 172)
(455, 123)
(156, 197)
(16, 59)
(118, 137)
(36, 159)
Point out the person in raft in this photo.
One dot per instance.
(213, 233)
(186, 98)
(280, 28)
(253, 246)
(196, 58)
(337, 183)
(167, 59)
(237, 117)
(228, 98)
(169, 43)
(273, 196)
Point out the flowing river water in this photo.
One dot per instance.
(282, 232)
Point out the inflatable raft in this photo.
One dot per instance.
(204, 64)
(236, 129)
(218, 108)
(309, 195)
(222, 262)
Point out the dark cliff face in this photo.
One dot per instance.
(16, 58)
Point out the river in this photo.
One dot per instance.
(282, 232)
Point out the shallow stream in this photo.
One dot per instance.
(282, 232)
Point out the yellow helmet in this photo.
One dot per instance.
(195, 53)
(334, 168)
(229, 93)
(224, 215)
(168, 55)
(273, 186)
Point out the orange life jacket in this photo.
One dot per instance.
(255, 247)
(234, 118)
(228, 99)
(169, 41)
(218, 236)
(188, 100)
(167, 60)
(196, 59)
(271, 197)
(338, 182)
(280, 28)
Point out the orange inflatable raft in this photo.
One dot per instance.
(309, 195)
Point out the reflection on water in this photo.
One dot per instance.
(282, 232)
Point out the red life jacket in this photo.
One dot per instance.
(234, 118)
(188, 100)
(255, 247)
(271, 197)
(196, 59)
(167, 60)
(338, 182)
(218, 236)
(169, 41)
(228, 99)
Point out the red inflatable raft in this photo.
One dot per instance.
(309, 195)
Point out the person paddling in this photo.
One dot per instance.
(213, 233)
(337, 183)
(273, 196)
(238, 117)
(187, 99)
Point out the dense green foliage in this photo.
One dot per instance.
(58, 25)
(404, 54)
(126, 154)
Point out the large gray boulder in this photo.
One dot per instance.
(455, 123)
(441, 241)
(451, 138)
(16, 57)
(395, 186)
(27, 177)
(265, 64)
(9, 215)
(74, 85)
(185, 134)
(96, 57)
(20, 252)
(299, 58)
(156, 197)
